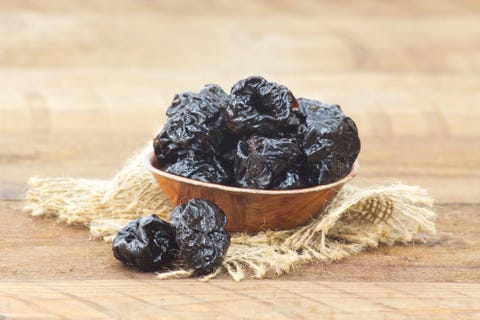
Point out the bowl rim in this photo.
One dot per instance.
(150, 157)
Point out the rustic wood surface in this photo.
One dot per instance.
(268, 299)
(83, 84)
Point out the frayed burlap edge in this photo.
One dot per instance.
(358, 218)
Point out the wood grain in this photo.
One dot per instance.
(174, 299)
(85, 84)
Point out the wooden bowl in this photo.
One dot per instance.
(251, 210)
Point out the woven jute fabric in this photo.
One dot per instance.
(357, 218)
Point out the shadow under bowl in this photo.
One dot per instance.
(251, 210)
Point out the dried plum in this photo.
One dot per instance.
(200, 234)
(198, 128)
(200, 169)
(329, 139)
(215, 93)
(260, 160)
(292, 179)
(294, 120)
(309, 107)
(228, 149)
(258, 106)
(181, 101)
(146, 243)
(210, 93)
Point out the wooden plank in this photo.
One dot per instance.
(122, 299)
(305, 37)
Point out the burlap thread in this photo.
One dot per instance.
(358, 218)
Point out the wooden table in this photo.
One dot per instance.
(84, 84)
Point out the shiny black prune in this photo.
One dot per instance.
(315, 108)
(228, 149)
(146, 243)
(181, 101)
(260, 160)
(295, 178)
(329, 140)
(258, 106)
(210, 93)
(201, 169)
(294, 120)
(200, 234)
(197, 128)
(215, 93)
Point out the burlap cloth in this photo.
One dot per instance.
(357, 219)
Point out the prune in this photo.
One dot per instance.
(294, 120)
(215, 93)
(309, 107)
(260, 160)
(146, 243)
(181, 101)
(211, 93)
(330, 140)
(197, 168)
(294, 178)
(196, 126)
(228, 149)
(200, 234)
(258, 106)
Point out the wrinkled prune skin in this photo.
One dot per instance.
(260, 160)
(258, 106)
(211, 93)
(146, 243)
(201, 169)
(291, 179)
(298, 177)
(181, 101)
(200, 234)
(228, 150)
(310, 107)
(215, 93)
(330, 140)
(294, 120)
(195, 127)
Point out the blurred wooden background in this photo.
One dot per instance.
(83, 84)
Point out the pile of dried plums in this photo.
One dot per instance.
(196, 234)
(259, 136)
